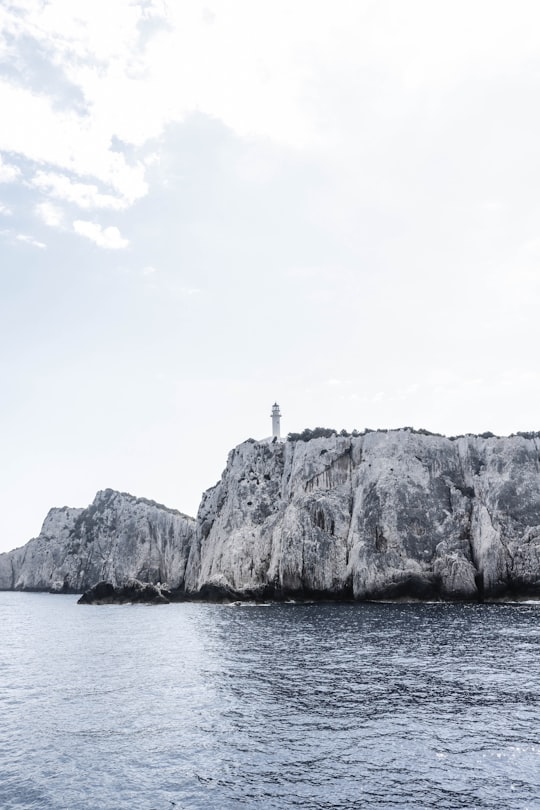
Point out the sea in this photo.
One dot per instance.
(245, 707)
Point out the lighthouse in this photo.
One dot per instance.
(275, 421)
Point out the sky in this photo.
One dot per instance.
(208, 207)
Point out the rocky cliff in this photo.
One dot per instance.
(385, 515)
(118, 537)
(394, 514)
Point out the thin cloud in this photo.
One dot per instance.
(66, 141)
(109, 238)
(50, 214)
(84, 195)
(8, 172)
(29, 240)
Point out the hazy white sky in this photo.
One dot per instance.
(205, 207)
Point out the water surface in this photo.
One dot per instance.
(282, 706)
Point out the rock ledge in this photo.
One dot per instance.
(105, 593)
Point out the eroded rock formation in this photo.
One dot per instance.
(117, 538)
(392, 514)
(384, 515)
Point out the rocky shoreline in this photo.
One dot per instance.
(106, 593)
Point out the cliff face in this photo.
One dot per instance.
(384, 515)
(118, 537)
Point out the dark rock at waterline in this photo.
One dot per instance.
(105, 593)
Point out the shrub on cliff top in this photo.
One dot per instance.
(326, 433)
(308, 434)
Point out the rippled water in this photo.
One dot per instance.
(286, 706)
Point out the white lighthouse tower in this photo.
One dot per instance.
(275, 421)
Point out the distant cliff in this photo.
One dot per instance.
(118, 537)
(384, 515)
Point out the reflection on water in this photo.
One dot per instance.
(300, 706)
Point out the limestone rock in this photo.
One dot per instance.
(117, 538)
(386, 515)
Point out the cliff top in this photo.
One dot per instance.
(104, 496)
(319, 432)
